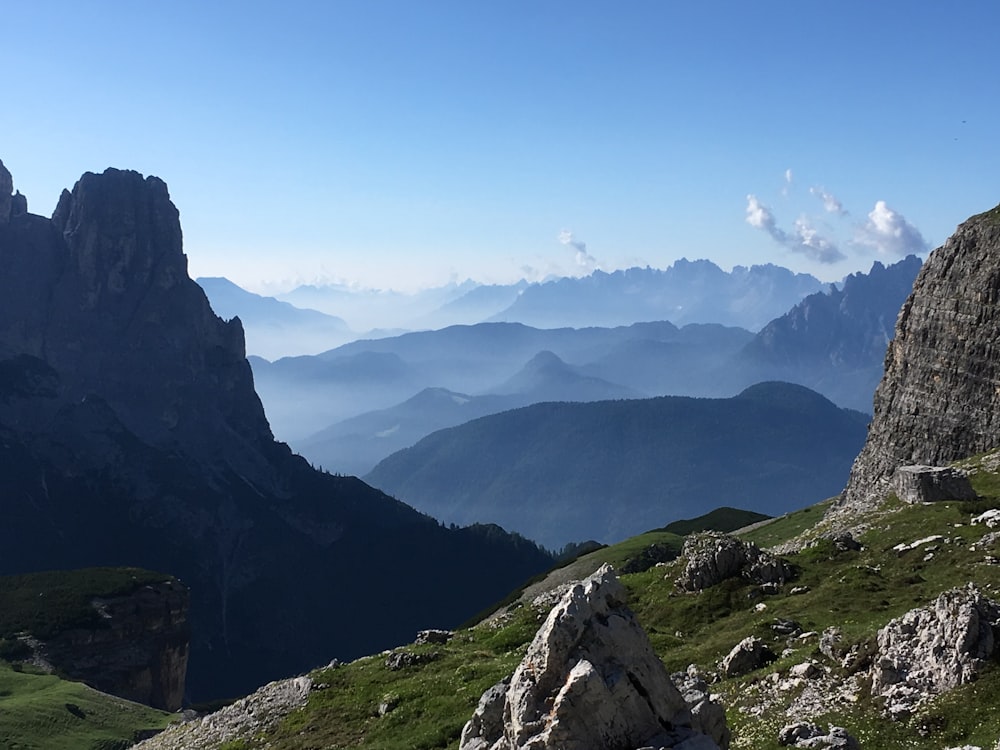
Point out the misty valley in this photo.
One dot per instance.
(232, 521)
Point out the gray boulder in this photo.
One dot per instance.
(809, 735)
(749, 654)
(933, 649)
(590, 679)
(929, 484)
(713, 557)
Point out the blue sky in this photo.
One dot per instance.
(404, 143)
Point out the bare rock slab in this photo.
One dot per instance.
(930, 484)
(589, 681)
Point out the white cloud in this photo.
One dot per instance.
(830, 203)
(788, 176)
(806, 239)
(814, 244)
(759, 216)
(890, 233)
(583, 259)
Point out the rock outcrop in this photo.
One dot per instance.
(933, 649)
(590, 679)
(931, 484)
(809, 735)
(139, 651)
(939, 398)
(712, 557)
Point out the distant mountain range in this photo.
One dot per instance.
(684, 292)
(565, 472)
(304, 395)
(348, 408)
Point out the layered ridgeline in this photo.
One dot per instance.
(131, 434)
(834, 342)
(565, 472)
(939, 399)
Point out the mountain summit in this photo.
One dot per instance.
(131, 434)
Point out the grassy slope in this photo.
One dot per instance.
(857, 591)
(43, 712)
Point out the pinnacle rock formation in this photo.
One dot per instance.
(131, 434)
(939, 399)
(590, 680)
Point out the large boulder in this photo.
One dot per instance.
(590, 680)
(712, 557)
(931, 484)
(748, 655)
(932, 649)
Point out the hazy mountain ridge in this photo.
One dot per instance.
(273, 328)
(684, 292)
(562, 472)
(835, 341)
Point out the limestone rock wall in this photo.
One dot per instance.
(140, 652)
(939, 399)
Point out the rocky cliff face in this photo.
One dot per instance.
(139, 651)
(939, 399)
(131, 434)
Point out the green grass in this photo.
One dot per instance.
(43, 712)
(857, 591)
(787, 527)
(721, 519)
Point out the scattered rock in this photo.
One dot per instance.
(796, 590)
(389, 702)
(400, 659)
(590, 678)
(782, 626)
(713, 557)
(804, 671)
(844, 541)
(245, 718)
(831, 644)
(809, 735)
(990, 519)
(933, 649)
(434, 636)
(707, 715)
(749, 654)
(903, 547)
(930, 484)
